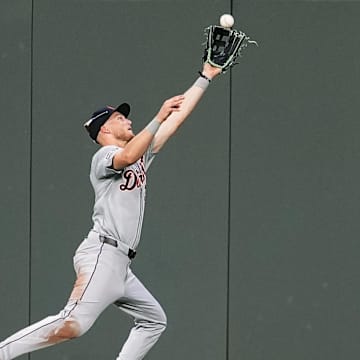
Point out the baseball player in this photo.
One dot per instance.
(102, 261)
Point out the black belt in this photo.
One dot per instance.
(131, 253)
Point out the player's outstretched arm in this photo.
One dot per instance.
(191, 97)
(138, 145)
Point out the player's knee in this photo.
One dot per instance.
(155, 328)
(160, 317)
(157, 325)
(164, 321)
(70, 329)
(161, 322)
(163, 327)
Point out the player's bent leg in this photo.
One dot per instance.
(73, 321)
(47, 332)
(87, 300)
(149, 317)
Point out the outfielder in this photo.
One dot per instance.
(102, 261)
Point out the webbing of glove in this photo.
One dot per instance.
(223, 46)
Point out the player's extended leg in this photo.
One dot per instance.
(100, 281)
(149, 317)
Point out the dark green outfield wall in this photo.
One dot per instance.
(250, 240)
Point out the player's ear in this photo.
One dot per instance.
(104, 129)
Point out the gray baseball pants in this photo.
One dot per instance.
(104, 277)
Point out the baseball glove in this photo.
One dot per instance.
(224, 45)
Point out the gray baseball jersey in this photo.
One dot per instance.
(119, 195)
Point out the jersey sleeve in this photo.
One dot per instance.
(103, 161)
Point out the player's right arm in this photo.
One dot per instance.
(138, 145)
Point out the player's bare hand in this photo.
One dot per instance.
(169, 106)
(210, 71)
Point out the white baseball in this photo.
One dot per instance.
(226, 20)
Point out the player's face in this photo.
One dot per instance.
(120, 126)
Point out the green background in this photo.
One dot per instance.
(250, 240)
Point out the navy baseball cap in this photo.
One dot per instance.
(99, 117)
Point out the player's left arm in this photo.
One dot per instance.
(191, 98)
